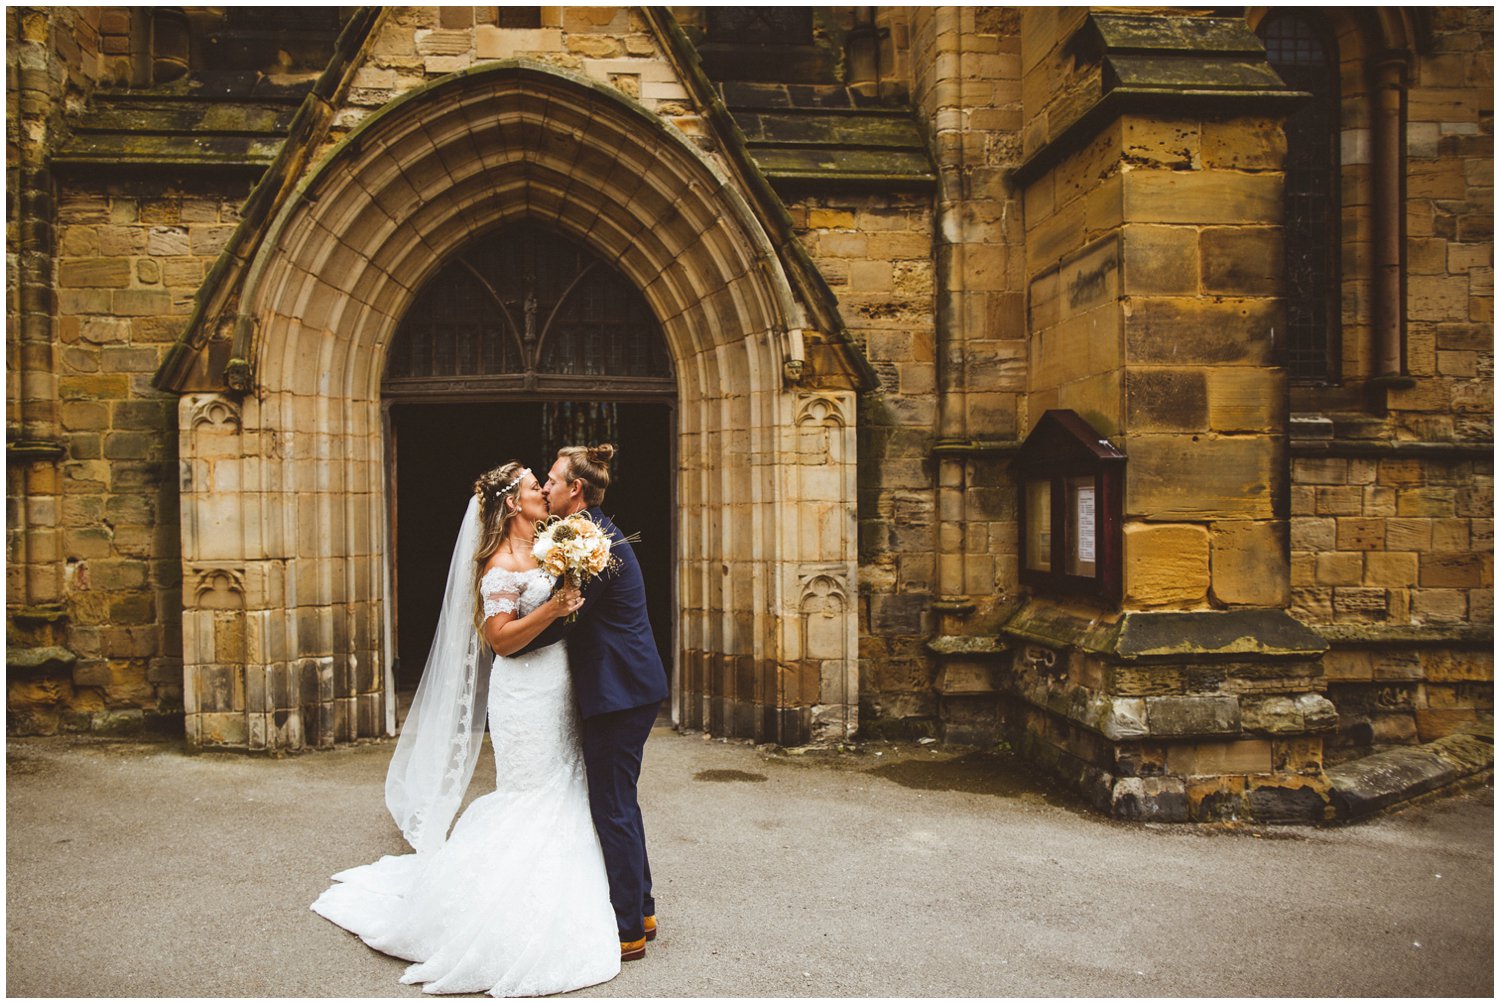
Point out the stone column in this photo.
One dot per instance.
(1154, 262)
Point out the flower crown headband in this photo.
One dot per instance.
(496, 493)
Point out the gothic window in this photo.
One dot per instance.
(1299, 53)
(526, 308)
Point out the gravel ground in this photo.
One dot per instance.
(135, 869)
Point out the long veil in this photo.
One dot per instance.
(439, 743)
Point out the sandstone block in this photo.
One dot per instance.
(1434, 502)
(1176, 478)
(1166, 400)
(1390, 570)
(1158, 799)
(1202, 197)
(1457, 666)
(1243, 144)
(1247, 564)
(443, 41)
(1160, 260)
(1348, 665)
(870, 276)
(1241, 261)
(1274, 715)
(1433, 723)
(1187, 332)
(142, 302)
(1380, 501)
(1304, 568)
(1320, 471)
(830, 219)
(104, 330)
(1360, 533)
(1401, 473)
(1439, 606)
(1408, 534)
(1454, 569)
(1339, 500)
(1438, 298)
(1340, 569)
(163, 242)
(1284, 804)
(1359, 604)
(94, 272)
(208, 240)
(1166, 565)
(1245, 400)
(1475, 500)
(1475, 337)
(1314, 534)
(1242, 756)
(84, 415)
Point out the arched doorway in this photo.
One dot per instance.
(288, 612)
(524, 341)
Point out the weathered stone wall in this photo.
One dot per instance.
(1394, 542)
(876, 255)
(131, 257)
(1392, 509)
(932, 289)
(1450, 233)
(612, 45)
(91, 543)
(1155, 255)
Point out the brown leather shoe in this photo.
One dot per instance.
(631, 950)
(650, 924)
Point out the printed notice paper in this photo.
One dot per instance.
(1086, 533)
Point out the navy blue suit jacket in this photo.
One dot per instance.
(611, 650)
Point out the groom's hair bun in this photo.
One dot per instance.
(589, 464)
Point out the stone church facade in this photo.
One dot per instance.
(1115, 384)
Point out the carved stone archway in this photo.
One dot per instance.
(283, 491)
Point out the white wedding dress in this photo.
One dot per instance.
(515, 902)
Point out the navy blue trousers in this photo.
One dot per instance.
(612, 748)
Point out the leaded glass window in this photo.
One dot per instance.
(1298, 52)
(527, 308)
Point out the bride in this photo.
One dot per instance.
(515, 902)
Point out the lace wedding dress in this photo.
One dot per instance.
(515, 902)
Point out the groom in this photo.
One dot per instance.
(619, 681)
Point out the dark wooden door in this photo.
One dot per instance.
(523, 343)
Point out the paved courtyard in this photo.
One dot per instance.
(137, 870)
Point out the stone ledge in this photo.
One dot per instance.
(22, 662)
(967, 645)
(1227, 632)
(1458, 635)
(1310, 446)
(1387, 778)
(1265, 633)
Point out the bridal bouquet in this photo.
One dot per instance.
(574, 546)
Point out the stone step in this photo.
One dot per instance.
(1393, 776)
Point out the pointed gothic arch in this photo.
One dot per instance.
(322, 301)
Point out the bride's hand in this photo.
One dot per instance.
(566, 600)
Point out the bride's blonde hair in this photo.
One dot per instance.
(496, 490)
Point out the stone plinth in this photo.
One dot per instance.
(1174, 716)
